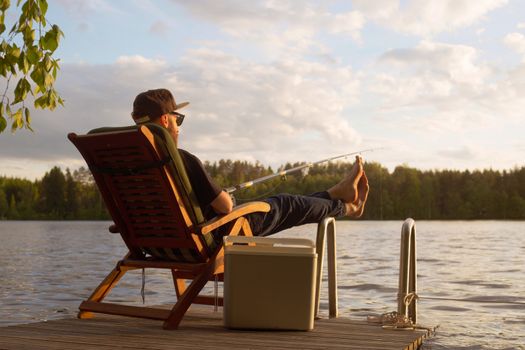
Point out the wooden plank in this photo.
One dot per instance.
(159, 264)
(206, 326)
(187, 338)
(125, 310)
(22, 343)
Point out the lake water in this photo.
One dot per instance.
(48, 268)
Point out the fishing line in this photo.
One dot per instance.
(264, 195)
(282, 173)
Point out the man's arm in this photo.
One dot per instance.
(222, 204)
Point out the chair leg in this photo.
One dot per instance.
(191, 292)
(104, 288)
(246, 228)
(189, 295)
(179, 283)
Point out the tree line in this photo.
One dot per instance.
(404, 192)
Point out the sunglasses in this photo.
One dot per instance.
(179, 117)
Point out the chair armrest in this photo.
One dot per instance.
(241, 210)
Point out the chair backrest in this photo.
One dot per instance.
(143, 181)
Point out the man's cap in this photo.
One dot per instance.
(152, 104)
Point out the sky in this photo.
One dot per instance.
(437, 84)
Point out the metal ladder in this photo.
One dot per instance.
(326, 233)
(407, 290)
(326, 228)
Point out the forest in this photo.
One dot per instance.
(404, 192)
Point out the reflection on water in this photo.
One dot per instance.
(47, 268)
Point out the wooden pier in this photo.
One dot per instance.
(201, 328)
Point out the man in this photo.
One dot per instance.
(347, 198)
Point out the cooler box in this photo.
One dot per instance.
(269, 283)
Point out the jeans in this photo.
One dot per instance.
(293, 210)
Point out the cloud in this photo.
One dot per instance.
(465, 152)
(273, 113)
(146, 66)
(160, 28)
(443, 89)
(426, 18)
(431, 72)
(239, 17)
(377, 9)
(277, 26)
(83, 9)
(267, 108)
(515, 41)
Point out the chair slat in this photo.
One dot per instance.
(171, 242)
(146, 213)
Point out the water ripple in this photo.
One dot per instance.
(47, 268)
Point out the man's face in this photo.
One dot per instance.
(173, 128)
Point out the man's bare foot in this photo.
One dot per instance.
(357, 208)
(346, 189)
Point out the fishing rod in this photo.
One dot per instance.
(283, 173)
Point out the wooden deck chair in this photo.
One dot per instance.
(143, 182)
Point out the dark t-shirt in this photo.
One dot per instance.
(205, 188)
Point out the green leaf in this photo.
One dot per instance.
(27, 57)
(41, 102)
(48, 79)
(17, 120)
(3, 68)
(37, 76)
(51, 99)
(11, 57)
(48, 64)
(53, 44)
(29, 36)
(3, 123)
(49, 41)
(15, 51)
(4, 5)
(58, 31)
(33, 54)
(21, 90)
(23, 63)
(28, 116)
(43, 7)
(24, 9)
(20, 94)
